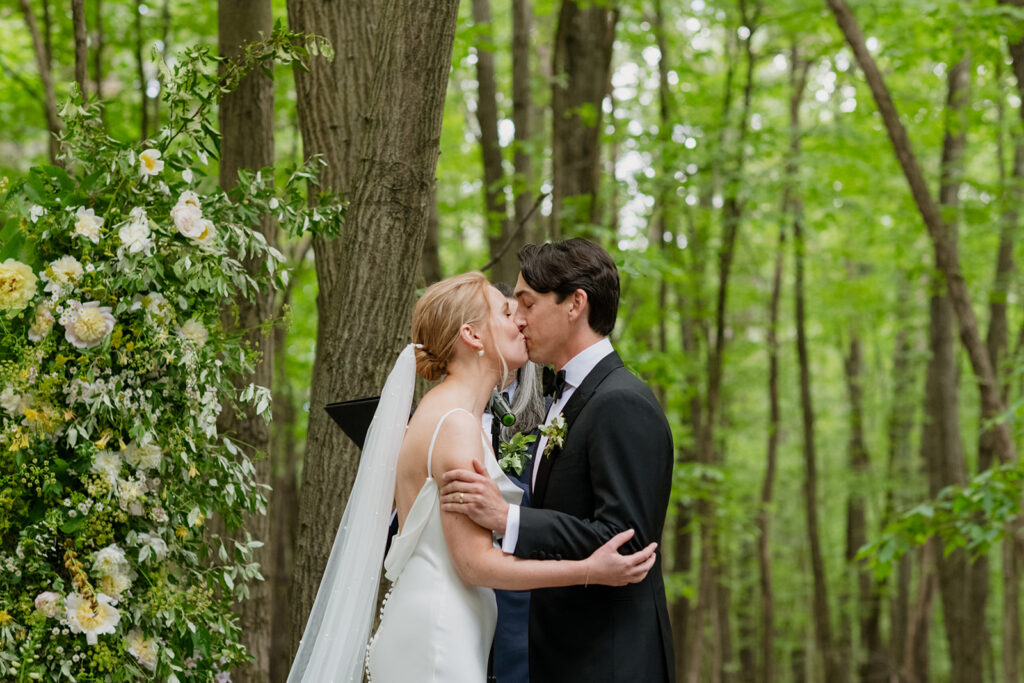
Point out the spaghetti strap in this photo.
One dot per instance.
(437, 429)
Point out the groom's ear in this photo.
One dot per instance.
(578, 301)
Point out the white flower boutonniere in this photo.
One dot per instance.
(555, 431)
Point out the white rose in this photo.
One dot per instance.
(188, 219)
(48, 604)
(194, 331)
(151, 162)
(11, 401)
(206, 237)
(62, 274)
(110, 560)
(135, 237)
(142, 648)
(146, 456)
(108, 465)
(35, 213)
(88, 224)
(189, 198)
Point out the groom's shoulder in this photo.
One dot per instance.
(622, 383)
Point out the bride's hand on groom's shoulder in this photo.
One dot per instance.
(474, 494)
(607, 567)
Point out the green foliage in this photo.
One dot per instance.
(113, 375)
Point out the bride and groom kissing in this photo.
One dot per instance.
(601, 479)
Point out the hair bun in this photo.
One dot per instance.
(429, 366)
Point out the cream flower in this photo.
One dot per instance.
(151, 163)
(88, 325)
(195, 332)
(62, 274)
(48, 604)
(42, 324)
(142, 648)
(146, 456)
(188, 219)
(92, 619)
(35, 212)
(88, 224)
(110, 560)
(108, 465)
(135, 237)
(114, 585)
(11, 401)
(17, 285)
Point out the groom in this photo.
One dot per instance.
(613, 471)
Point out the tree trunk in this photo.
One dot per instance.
(1012, 642)
(833, 665)
(430, 265)
(97, 53)
(899, 429)
(41, 49)
(506, 267)
(141, 72)
(582, 60)
(946, 256)
(247, 142)
(916, 658)
(873, 668)
(383, 158)
(523, 113)
(81, 47)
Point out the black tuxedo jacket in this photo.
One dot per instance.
(614, 472)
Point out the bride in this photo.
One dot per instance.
(438, 619)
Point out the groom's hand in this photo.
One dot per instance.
(475, 495)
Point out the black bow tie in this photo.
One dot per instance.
(554, 382)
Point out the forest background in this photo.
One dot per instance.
(816, 218)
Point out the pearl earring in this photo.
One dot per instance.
(480, 352)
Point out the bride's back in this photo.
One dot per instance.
(411, 471)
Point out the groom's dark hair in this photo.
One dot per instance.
(564, 267)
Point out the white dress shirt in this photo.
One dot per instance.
(576, 371)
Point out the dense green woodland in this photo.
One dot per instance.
(780, 288)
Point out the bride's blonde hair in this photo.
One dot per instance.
(439, 315)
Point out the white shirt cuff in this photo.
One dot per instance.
(511, 537)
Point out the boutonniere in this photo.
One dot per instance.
(514, 453)
(555, 431)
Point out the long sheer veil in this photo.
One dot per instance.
(334, 642)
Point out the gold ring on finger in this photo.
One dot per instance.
(461, 497)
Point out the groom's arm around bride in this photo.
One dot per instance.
(612, 472)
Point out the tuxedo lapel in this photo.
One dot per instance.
(570, 412)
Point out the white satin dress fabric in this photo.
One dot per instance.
(433, 626)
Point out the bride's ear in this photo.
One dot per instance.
(470, 338)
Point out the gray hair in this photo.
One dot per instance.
(527, 403)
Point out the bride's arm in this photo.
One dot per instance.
(479, 563)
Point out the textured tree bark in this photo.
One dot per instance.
(247, 142)
(523, 113)
(496, 213)
(916, 667)
(379, 132)
(946, 256)
(81, 47)
(40, 46)
(430, 265)
(582, 60)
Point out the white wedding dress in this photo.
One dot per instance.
(433, 626)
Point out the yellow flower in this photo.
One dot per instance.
(92, 617)
(181, 532)
(5, 618)
(17, 285)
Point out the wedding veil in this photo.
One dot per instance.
(334, 642)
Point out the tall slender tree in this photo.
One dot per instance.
(247, 142)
